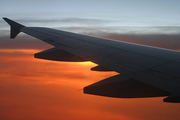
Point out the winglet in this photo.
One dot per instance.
(15, 27)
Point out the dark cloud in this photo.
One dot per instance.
(161, 40)
(22, 42)
(155, 30)
(63, 21)
(169, 41)
(82, 21)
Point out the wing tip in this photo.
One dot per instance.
(5, 18)
(15, 27)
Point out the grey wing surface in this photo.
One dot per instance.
(144, 71)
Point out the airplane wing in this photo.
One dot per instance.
(144, 71)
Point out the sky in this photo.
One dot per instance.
(39, 89)
(122, 16)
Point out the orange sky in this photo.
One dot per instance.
(35, 89)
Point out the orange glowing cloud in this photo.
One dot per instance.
(48, 90)
(26, 81)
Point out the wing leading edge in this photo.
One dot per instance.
(145, 71)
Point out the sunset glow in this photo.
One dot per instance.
(39, 89)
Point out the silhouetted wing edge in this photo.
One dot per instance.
(153, 66)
